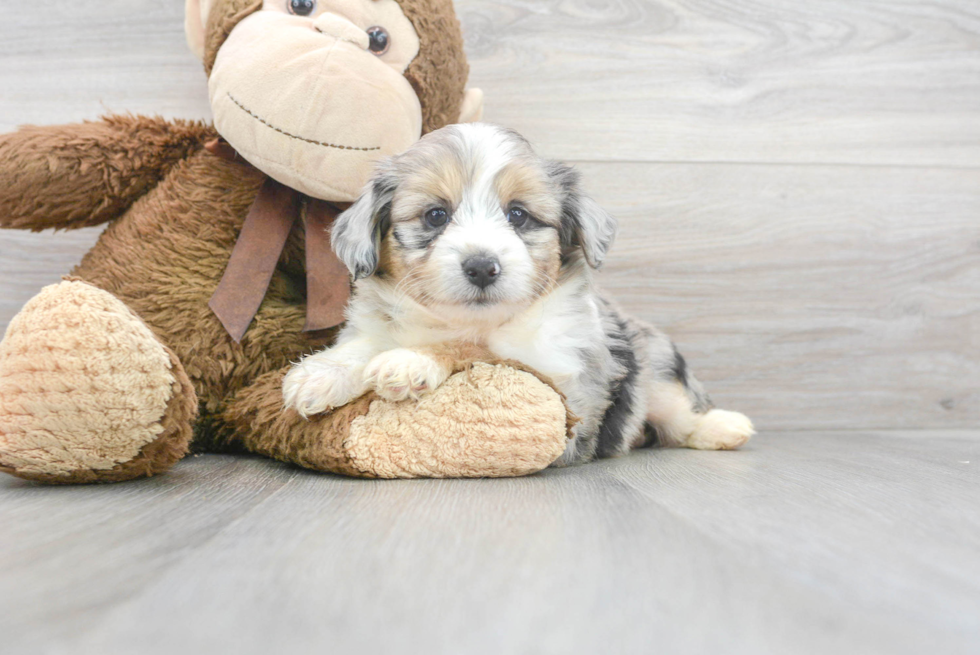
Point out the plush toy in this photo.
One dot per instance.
(215, 272)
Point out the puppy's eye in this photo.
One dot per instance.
(301, 7)
(517, 216)
(436, 217)
(378, 40)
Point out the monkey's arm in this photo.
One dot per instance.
(71, 176)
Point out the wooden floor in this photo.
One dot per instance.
(840, 542)
(798, 185)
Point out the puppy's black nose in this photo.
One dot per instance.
(481, 271)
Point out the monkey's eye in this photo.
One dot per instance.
(378, 40)
(301, 7)
(436, 217)
(517, 216)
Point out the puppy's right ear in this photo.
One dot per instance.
(584, 224)
(356, 235)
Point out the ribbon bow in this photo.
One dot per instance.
(256, 253)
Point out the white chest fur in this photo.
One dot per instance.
(558, 335)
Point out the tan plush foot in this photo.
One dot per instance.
(720, 429)
(491, 420)
(87, 392)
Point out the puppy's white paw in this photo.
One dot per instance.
(720, 430)
(317, 384)
(403, 373)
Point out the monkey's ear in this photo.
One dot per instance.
(471, 110)
(356, 235)
(584, 224)
(195, 17)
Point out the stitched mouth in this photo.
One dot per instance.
(294, 136)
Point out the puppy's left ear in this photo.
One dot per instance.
(584, 223)
(356, 235)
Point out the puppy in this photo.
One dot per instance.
(470, 238)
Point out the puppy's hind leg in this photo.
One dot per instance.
(680, 414)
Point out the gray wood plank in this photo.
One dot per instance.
(70, 553)
(837, 81)
(30, 261)
(802, 543)
(97, 57)
(866, 81)
(808, 296)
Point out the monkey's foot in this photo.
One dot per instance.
(486, 420)
(87, 392)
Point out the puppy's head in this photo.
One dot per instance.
(470, 219)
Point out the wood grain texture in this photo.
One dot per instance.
(802, 543)
(30, 261)
(838, 81)
(79, 60)
(843, 81)
(808, 296)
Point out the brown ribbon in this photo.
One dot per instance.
(256, 253)
(327, 280)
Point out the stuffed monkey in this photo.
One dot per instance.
(213, 275)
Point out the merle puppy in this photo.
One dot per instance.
(469, 238)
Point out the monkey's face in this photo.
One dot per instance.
(313, 93)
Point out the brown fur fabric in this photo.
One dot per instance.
(80, 175)
(224, 15)
(256, 419)
(439, 78)
(165, 254)
(164, 261)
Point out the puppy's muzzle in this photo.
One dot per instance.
(481, 271)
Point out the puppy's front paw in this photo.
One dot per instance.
(403, 373)
(317, 384)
